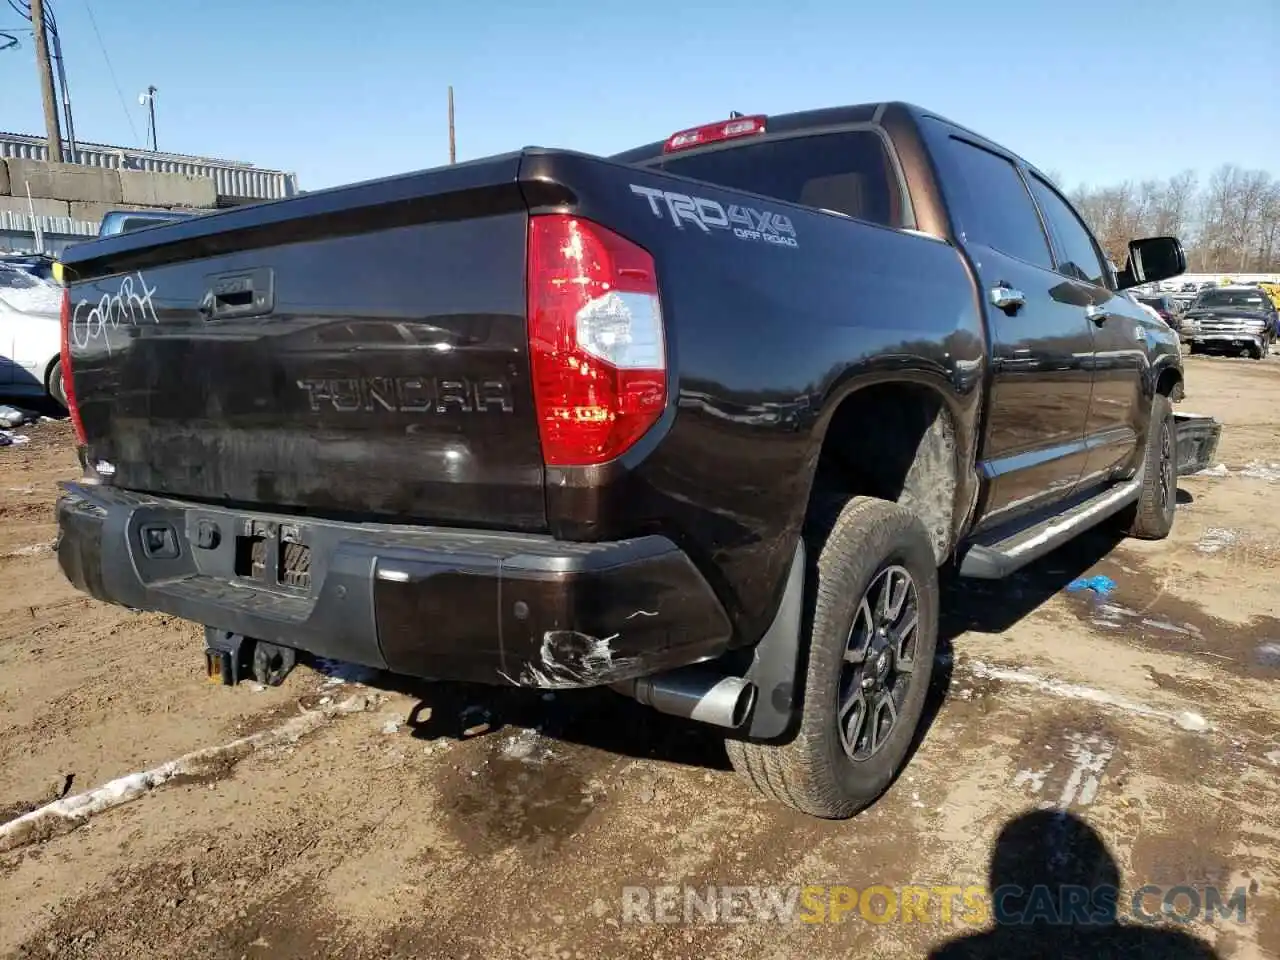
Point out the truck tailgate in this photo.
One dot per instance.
(328, 353)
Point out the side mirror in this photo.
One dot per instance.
(1151, 260)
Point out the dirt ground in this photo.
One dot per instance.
(1152, 715)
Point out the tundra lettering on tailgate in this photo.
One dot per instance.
(408, 394)
(747, 223)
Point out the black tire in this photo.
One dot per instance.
(855, 547)
(57, 389)
(1151, 518)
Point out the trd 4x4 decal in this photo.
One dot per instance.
(747, 223)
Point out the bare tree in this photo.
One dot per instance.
(1232, 224)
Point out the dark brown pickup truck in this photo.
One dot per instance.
(700, 422)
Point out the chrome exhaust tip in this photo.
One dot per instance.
(696, 693)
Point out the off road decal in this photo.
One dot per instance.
(747, 223)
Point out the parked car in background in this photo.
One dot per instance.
(37, 264)
(30, 334)
(1165, 307)
(1232, 318)
(126, 221)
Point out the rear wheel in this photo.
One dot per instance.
(872, 634)
(1152, 517)
(55, 385)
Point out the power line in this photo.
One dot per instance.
(110, 69)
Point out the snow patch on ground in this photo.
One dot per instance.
(527, 746)
(1217, 539)
(69, 813)
(1261, 471)
(1219, 470)
(1185, 719)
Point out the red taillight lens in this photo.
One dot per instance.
(68, 381)
(714, 133)
(596, 345)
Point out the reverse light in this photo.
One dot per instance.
(596, 346)
(715, 133)
(68, 381)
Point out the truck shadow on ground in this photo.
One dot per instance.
(995, 606)
(606, 721)
(43, 406)
(596, 718)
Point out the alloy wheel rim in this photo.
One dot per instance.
(1166, 467)
(878, 663)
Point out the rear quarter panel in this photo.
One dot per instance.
(764, 341)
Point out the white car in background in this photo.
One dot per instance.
(30, 334)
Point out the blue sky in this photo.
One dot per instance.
(1097, 91)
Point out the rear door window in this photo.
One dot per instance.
(848, 173)
(995, 209)
(1078, 257)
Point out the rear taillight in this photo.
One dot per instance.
(68, 381)
(596, 345)
(715, 132)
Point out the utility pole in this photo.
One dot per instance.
(45, 68)
(453, 146)
(151, 101)
(66, 91)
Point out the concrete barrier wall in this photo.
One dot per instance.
(97, 189)
(72, 198)
(240, 182)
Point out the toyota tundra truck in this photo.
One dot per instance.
(700, 422)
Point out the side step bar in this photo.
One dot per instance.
(996, 560)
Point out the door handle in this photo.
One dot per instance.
(1097, 314)
(1004, 297)
(231, 295)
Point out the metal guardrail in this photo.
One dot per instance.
(232, 178)
(25, 223)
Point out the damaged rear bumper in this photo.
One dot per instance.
(427, 602)
(1198, 437)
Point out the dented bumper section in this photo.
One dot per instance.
(427, 602)
(1198, 437)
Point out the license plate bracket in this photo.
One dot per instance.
(274, 554)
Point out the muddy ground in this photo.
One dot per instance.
(386, 833)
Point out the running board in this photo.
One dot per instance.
(993, 561)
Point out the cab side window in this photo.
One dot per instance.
(1078, 257)
(995, 208)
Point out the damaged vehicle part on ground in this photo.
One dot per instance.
(535, 420)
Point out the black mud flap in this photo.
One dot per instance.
(1198, 437)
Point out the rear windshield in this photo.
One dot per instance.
(846, 173)
(1231, 298)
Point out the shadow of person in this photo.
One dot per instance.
(1055, 893)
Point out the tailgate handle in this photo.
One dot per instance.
(248, 294)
